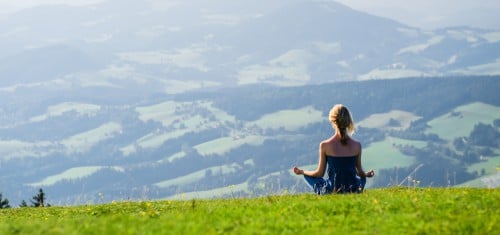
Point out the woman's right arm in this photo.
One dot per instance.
(320, 170)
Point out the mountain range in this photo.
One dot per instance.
(111, 99)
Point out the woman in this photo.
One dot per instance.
(340, 155)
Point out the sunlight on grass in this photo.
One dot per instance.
(162, 112)
(382, 120)
(199, 175)
(60, 109)
(462, 120)
(223, 145)
(291, 120)
(85, 141)
(386, 211)
(384, 154)
(71, 174)
(152, 140)
(179, 118)
(20, 149)
(490, 165)
(227, 191)
(172, 157)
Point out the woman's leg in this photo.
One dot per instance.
(316, 183)
(362, 183)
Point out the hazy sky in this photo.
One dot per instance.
(427, 14)
(431, 14)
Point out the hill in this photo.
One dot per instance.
(197, 144)
(139, 98)
(381, 211)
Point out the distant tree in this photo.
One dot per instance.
(496, 122)
(39, 199)
(393, 123)
(484, 135)
(4, 203)
(460, 143)
(23, 204)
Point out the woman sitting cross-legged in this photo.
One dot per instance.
(340, 155)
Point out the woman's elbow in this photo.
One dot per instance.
(318, 174)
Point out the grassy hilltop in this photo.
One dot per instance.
(378, 211)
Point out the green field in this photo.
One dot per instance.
(199, 175)
(491, 165)
(377, 211)
(385, 154)
(60, 109)
(382, 120)
(282, 119)
(223, 145)
(83, 142)
(462, 120)
(491, 168)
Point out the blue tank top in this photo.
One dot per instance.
(341, 173)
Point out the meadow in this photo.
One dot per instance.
(377, 211)
(465, 117)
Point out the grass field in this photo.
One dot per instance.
(199, 175)
(462, 120)
(382, 120)
(384, 154)
(491, 169)
(72, 174)
(83, 142)
(281, 119)
(378, 211)
(223, 145)
(59, 109)
(491, 166)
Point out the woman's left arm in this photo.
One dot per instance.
(359, 168)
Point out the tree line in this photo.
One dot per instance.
(38, 200)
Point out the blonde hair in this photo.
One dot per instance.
(342, 121)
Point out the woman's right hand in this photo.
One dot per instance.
(297, 171)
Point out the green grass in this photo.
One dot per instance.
(381, 120)
(384, 154)
(491, 165)
(199, 175)
(60, 109)
(462, 121)
(487, 181)
(223, 145)
(228, 191)
(72, 174)
(83, 142)
(378, 211)
(491, 168)
(291, 120)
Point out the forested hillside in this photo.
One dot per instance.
(244, 140)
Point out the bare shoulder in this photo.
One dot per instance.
(326, 143)
(356, 144)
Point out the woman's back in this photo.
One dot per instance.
(341, 171)
(339, 157)
(333, 147)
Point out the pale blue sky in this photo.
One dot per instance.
(426, 14)
(431, 14)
